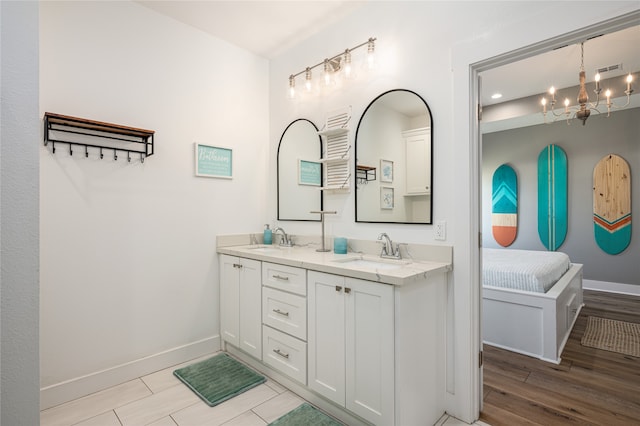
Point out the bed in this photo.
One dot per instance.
(530, 301)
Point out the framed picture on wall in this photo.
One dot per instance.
(386, 198)
(309, 173)
(386, 171)
(213, 161)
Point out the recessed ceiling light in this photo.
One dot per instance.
(496, 96)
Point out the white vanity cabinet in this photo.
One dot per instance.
(351, 344)
(241, 302)
(418, 161)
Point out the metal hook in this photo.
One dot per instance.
(128, 156)
(101, 154)
(70, 150)
(53, 144)
(142, 158)
(86, 152)
(115, 155)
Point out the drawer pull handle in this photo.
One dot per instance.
(278, 277)
(282, 354)
(278, 311)
(347, 290)
(338, 288)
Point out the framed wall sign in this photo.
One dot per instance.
(213, 161)
(309, 173)
(386, 171)
(386, 198)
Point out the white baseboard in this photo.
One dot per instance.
(81, 386)
(611, 287)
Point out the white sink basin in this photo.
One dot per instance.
(263, 248)
(372, 263)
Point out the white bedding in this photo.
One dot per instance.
(526, 270)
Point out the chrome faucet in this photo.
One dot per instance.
(285, 241)
(387, 248)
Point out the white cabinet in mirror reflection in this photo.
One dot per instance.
(418, 171)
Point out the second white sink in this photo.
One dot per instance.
(371, 263)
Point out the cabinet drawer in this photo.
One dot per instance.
(285, 312)
(284, 353)
(285, 278)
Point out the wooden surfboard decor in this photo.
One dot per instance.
(552, 196)
(504, 205)
(612, 204)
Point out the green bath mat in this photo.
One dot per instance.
(219, 378)
(305, 415)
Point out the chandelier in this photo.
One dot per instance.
(582, 111)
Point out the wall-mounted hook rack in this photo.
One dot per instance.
(96, 134)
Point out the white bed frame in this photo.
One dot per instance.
(534, 324)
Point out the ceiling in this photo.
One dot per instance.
(560, 67)
(266, 28)
(269, 28)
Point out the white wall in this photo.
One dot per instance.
(129, 279)
(19, 214)
(428, 47)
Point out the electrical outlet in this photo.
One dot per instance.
(440, 230)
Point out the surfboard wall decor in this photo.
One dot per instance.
(552, 196)
(612, 204)
(504, 205)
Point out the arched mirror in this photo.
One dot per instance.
(299, 172)
(393, 160)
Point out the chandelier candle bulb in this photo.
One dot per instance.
(597, 90)
(629, 79)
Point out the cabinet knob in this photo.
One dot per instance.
(347, 290)
(338, 288)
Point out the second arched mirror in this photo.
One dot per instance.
(299, 172)
(393, 160)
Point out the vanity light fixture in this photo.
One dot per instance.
(584, 107)
(332, 66)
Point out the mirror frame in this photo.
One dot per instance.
(430, 222)
(321, 193)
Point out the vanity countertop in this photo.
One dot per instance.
(363, 266)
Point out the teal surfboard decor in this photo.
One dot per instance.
(612, 204)
(552, 196)
(504, 205)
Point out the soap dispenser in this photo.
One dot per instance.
(266, 239)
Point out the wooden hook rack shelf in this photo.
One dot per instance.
(82, 132)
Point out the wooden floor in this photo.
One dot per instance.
(589, 387)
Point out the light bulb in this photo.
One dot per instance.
(292, 87)
(544, 101)
(598, 82)
(371, 53)
(347, 64)
(327, 73)
(307, 79)
(552, 90)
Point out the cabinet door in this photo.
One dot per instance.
(325, 343)
(369, 324)
(418, 156)
(250, 313)
(230, 299)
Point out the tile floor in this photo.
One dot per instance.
(160, 399)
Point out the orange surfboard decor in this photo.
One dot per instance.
(504, 205)
(612, 204)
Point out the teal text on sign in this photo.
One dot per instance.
(214, 161)
(310, 173)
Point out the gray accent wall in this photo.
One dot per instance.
(585, 146)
